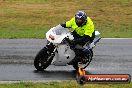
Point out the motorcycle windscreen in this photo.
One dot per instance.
(58, 32)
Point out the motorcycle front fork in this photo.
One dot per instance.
(51, 48)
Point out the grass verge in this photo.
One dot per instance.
(32, 18)
(66, 84)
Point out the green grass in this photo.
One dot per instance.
(27, 32)
(32, 18)
(67, 84)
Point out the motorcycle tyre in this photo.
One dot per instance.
(42, 55)
(75, 65)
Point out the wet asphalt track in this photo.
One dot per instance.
(111, 56)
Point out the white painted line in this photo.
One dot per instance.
(116, 38)
(39, 81)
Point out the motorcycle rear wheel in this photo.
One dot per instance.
(76, 66)
(42, 60)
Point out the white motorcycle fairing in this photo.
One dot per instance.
(64, 54)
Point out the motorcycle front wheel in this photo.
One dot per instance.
(43, 59)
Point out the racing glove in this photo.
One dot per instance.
(63, 25)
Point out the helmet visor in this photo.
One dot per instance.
(79, 21)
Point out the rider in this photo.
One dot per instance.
(83, 28)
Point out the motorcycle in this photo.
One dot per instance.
(58, 50)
